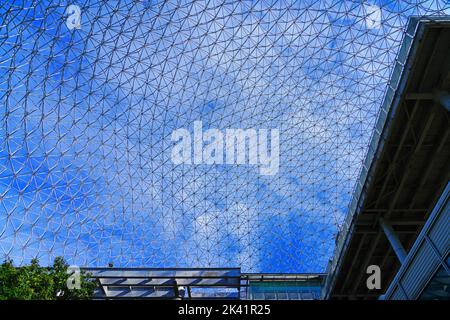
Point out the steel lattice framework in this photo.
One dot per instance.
(91, 91)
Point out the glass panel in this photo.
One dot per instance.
(439, 287)
(87, 151)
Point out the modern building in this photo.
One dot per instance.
(288, 150)
(400, 213)
(203, 283)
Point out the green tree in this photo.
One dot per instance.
(42, 283)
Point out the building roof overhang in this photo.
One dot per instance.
(407, 165)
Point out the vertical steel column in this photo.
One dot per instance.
(393, 239)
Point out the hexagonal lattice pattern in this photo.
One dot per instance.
(87, 111)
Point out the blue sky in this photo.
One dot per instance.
(86, 118)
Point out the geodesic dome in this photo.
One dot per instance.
(91, 92)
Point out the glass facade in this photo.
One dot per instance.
(282, 287)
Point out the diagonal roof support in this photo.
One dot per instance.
(393, 240)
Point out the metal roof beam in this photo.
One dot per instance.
(441, 97)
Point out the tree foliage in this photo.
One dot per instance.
(35, 282)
